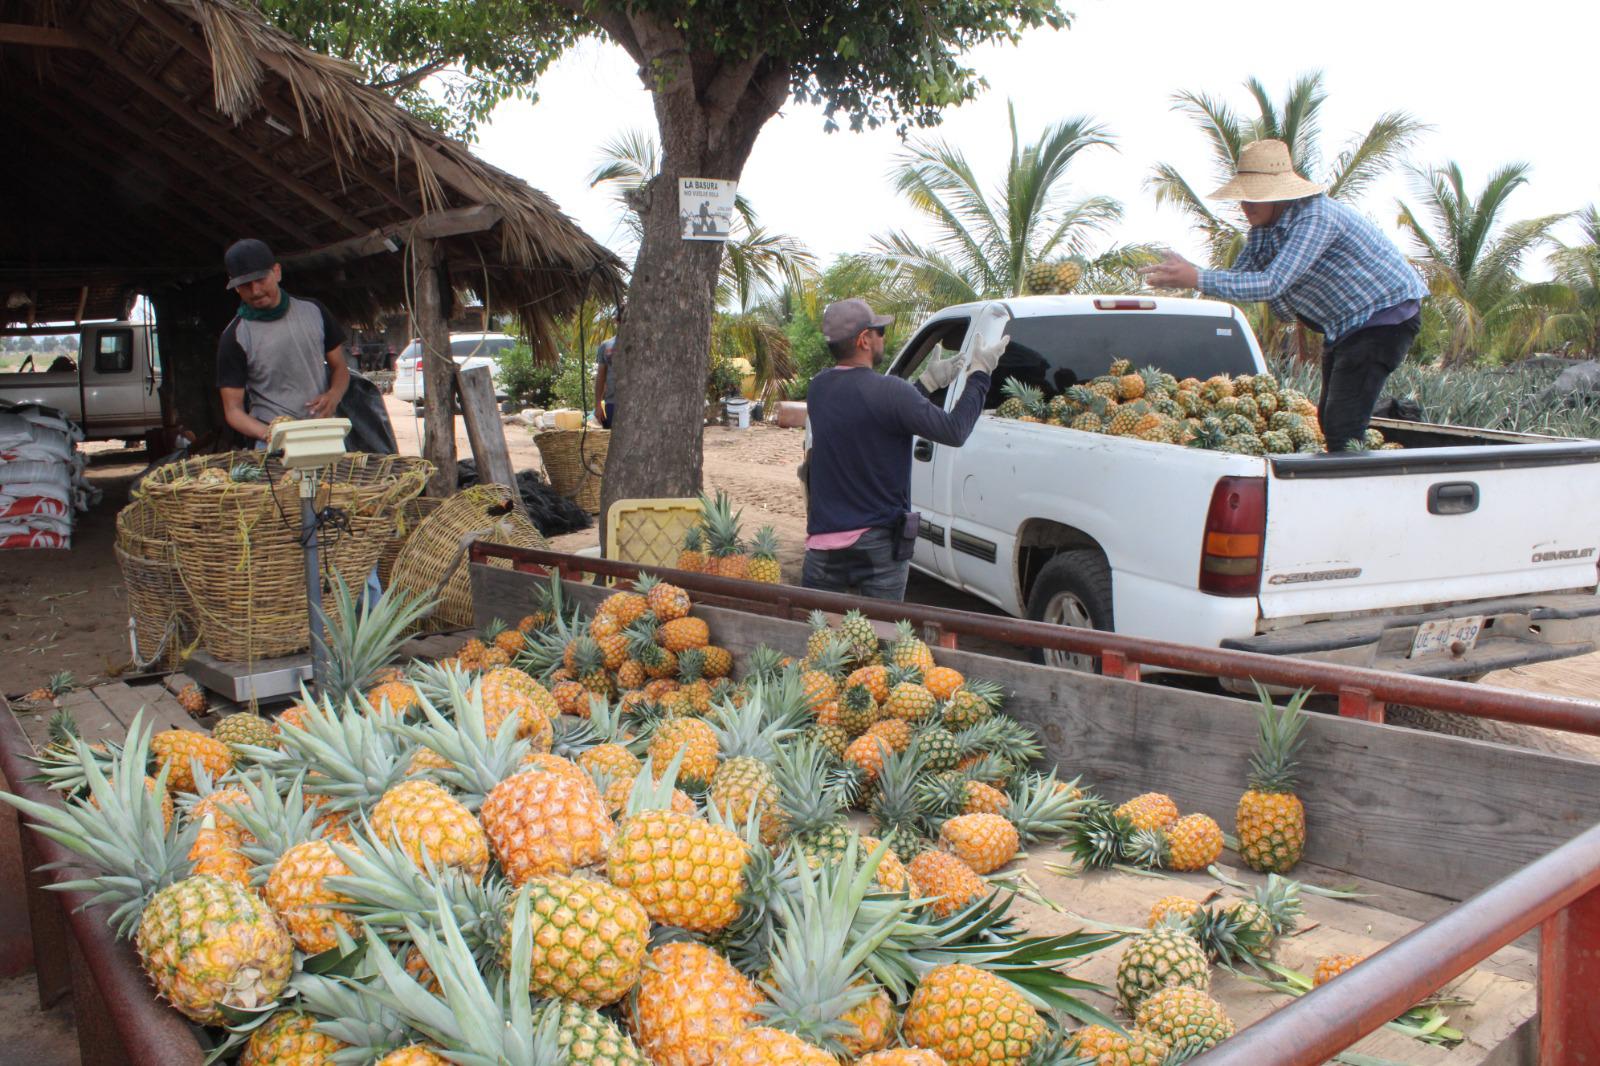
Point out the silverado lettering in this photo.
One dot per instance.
(1315, 575)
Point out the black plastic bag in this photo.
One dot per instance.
(370, 430)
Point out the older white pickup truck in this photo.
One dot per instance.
(1468, 551)
(104, 375)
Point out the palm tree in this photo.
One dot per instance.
(1468, 256)
(756, 263)
(983, 246)
(1295, 121)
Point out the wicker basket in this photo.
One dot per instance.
(237, 543)
(406, 520)
(434, 559)
(162, 629)
(575, 463)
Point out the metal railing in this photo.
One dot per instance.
(1362, 693)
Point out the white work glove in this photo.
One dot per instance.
(940, 373)
(984, 356)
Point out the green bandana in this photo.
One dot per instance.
(271, 314)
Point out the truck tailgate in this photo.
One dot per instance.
(1429, 526)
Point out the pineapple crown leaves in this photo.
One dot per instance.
(60, 762)
(832, 658)
(1057, 1047)
(478, 759)
(1147, 849)
(364, 637)
(989, 768)
(571, 737)
(1272, 765)
(641, 640)
(643, 583)
(1016, 742)
(754, 728)
(764, 545)
(1101, 836)
(1031, 397)
(276, 815)
(942, 796)
(1040, 810)
(350, 755)
(1227, 938)
(897, 802)
(652, 793)
(764, 663)
(345, 1012)
(811, 793)
(819, 961)
(475, 1020)
(385, 889)
(434, 680)
(691, 665)
(721, 523)
(1279, 899)
(120, 831)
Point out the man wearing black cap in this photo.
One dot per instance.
(859, 527)
(282, 355)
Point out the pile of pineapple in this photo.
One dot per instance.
(585, 840)
(1249, 414)
(715, 545)
(1052, 278)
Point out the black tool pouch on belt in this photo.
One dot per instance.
(905, 532)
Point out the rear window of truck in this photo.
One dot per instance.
(1054, 353)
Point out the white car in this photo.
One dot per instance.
(467, 349)
(1468, 551)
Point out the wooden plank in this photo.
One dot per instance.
(388, 239)
(124, 701)
(16, 943)
(438, 368)
(485, 432)
(36, 36)
(94, 720)
(1437, 814)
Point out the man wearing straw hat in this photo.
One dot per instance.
(1317, 260)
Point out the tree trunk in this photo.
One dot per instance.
(439, 370)
(663, 347)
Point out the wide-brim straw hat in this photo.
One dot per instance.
(1265, 175)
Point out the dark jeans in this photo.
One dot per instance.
(866, 568)
(607, 411)
(1353, 372)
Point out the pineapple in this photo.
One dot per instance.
(590, 1038)
(1271, 820)
(896, 807)
(684, 870)
(1040, 278)
(666, 602)
(984, 842)
(697, 742)
(245, 730)
(857, 710)
(1194, 842)
(908, 652)
(1159, 959)
(725, 555)
(192, 699)
(625, 607)
(692, 557)
(1181, 908)
(290, 1038)
(1067, 275)
(947, 881)
(656, 660)
(748, 736)
(208, 945)
(1023, 401)
(1105, 1047)
(541, 823)
(942, 681)
(297, 890)
(908, 699)
(588, 938)
(58, 684)
(1152, 810)
(820, 636)
(970, 704)
(690, 1006)
(972, 1018)
(180, 751)
(902, 1057)
(761, 1045)
(681, 634)
(1188, 1019)
(860, 639)
(764, 557)
(1331, 966)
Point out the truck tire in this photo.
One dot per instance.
(1074, 589)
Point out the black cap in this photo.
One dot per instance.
(247, 260)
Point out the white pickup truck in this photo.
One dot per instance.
(105, 376)
(1465, 552)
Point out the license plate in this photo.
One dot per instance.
(1443, 634)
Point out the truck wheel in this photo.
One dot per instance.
(1073, 589)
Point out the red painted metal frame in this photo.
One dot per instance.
(1362, 693)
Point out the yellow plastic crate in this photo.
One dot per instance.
(649, 532)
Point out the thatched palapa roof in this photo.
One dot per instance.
(144, 136)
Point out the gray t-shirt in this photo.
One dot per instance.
(282, 365)
(602, 358)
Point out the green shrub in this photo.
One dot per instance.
(527, 383)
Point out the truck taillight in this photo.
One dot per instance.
(1236, 527)
(1124, 305)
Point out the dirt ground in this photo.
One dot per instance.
(65, 610)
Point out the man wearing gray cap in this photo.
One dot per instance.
(860, 530)
(281, 356)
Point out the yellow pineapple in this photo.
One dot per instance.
(951, 883)
(764, 557)
(289, 1038)
(942, 681)
(972, 1018)
(297, 890)
(691, 1004)
(426, 820)
(589, 939)
(542, 823)
(1194, 842)
(908, 652)
(1331, 966)
(192, 699)
(1163, 957)
(1152, 810)
(1188, 1019)
(1271, 820)
(908, 699)
(692, 557)
(179, 749)
(1180, 906)
(666, 601)
(984, 842)
(684, 870)
(1106, 1047)
(762, 1045)
(393, 697)
(681, 634)
(698, 742)
(902, 1057)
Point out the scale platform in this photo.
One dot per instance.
(264, 679)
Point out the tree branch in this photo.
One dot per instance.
(726, 89)
(612, 20)
(410, 78)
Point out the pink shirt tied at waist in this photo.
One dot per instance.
(827, 542)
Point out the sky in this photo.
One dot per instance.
(1120, 64)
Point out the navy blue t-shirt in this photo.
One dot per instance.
(861, 424)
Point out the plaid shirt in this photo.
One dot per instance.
(1321, 261)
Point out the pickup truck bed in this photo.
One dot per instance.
(1489, 536)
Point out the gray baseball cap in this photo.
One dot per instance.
(247, 260)
(844, 320)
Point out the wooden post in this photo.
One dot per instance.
(485, 432)
(439, 370)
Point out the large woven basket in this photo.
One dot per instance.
(406, 519)
(433, 561)
(575, 463)
(237, 543)
(145, 553)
